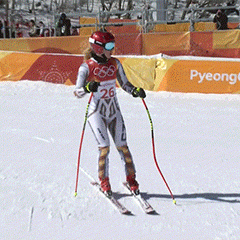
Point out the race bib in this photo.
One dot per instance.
(107, 89)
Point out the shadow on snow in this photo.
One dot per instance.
(220, 197)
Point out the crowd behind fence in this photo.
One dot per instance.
(146, 19)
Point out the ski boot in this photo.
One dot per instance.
(105, 186)
(133, 184)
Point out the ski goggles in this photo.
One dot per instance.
(107, 46)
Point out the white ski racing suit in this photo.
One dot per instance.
(104, 113)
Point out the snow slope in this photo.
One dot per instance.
(197, 145)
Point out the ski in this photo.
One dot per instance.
(122, 209)
(146, 207)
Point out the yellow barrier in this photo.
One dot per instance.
(140, 71)
(226, 39)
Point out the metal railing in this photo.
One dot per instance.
(146, 19)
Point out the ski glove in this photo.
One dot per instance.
(91, 87)
(79, 93)
(138, 92)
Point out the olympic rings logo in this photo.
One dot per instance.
(105, 71)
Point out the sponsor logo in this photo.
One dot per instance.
(105, 71)
(201, 77)
(55, 74)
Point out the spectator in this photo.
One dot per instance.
(64, 25)
(221, 20)
(17, 30)
(41, 29)
(33, 32)
(75, 32)
(1, 27)
(7, 29)
(49, 32)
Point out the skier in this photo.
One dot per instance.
(98, 74)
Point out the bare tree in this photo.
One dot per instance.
(185, 12)
(129, 7)
(33, 6)
(7, 8)
(13, 5)
(120, 5)
(107, 5)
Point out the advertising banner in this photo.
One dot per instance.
(199, 75)
(184, 74)
(39, 67)
(13, 66)
(153, 73)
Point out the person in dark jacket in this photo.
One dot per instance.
(64, 25)
(221, 20)
(33, 29)
(1, 27)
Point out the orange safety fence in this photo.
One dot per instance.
(125, 44)
(128, 37)
(201, 44)
(156, 43)
(87, 31)
(174, 27)
(122, 29)
(185, 27)
(68, 45)
(210, 44)
(167, 27)
(128, 44)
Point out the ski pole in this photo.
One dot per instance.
(81, 141)
(154, 154)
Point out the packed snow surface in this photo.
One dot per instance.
(197, 140)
